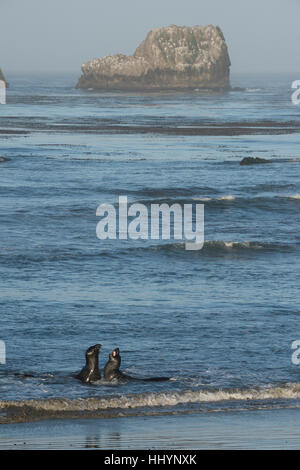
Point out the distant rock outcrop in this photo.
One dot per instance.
(253, 161)
(173, 57)
(2, 78)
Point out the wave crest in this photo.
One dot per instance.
(26, 410)
(212, 247)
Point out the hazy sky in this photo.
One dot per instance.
(58, 35)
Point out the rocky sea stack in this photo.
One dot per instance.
(170, 58)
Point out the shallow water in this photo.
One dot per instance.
(268, 429)
(219, 319)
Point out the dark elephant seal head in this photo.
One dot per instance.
(92, 353)
(91, 373)
(115, 357)
(112, 367)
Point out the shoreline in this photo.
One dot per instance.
(255, 429)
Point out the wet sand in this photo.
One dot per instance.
(257, 429)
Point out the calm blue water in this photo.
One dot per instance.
(217, 321)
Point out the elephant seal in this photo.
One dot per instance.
(112, 367)
(90, 372)
(112, 370)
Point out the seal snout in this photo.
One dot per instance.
(96, 347)
(115, 352)
(92, 350)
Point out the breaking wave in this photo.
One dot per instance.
(212, 247)
(142, 403)
(253, 90)
(222, 198)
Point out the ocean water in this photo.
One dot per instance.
(219, 321)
